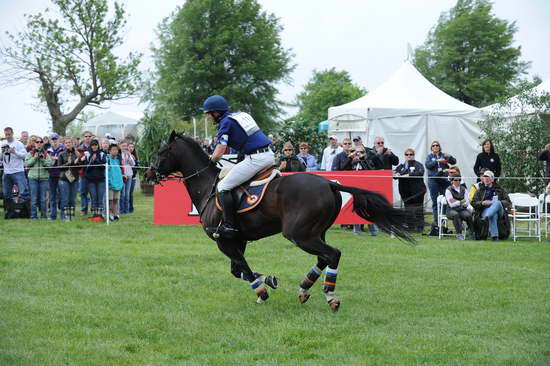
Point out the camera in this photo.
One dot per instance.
(6, 149)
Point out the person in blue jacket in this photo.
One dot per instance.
(437, 165)
(239, 131)
(116, 181)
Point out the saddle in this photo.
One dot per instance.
(249, 194)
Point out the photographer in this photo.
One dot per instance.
(94, 159)
(13, 160)
(38, 160)
(357, 160)
(290, 162)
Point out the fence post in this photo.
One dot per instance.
(107, 215)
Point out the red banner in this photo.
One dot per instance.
(172, 205)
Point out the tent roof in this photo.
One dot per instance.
(407, 89)
(109, 118)
(516, 105)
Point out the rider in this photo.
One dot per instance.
(239, 131)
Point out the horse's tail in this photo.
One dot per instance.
(374, 207)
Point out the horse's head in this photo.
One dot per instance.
(165, 162)
(179, 154)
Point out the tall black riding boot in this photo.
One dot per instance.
(229, 225)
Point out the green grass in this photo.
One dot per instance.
(132, 293)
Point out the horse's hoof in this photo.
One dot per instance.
(272, 282)
(303, 297)
(262, 296)
(334, 305)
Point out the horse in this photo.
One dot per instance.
(302, 206)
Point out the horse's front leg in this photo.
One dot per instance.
(234, 250)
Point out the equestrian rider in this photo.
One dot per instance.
(239, 131)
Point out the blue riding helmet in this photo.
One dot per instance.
(215, 103)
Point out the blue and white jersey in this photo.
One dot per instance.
(240, 132)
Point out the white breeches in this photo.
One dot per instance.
(246, 169)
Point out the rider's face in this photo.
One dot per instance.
(210, 117)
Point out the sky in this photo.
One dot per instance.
(367, 38)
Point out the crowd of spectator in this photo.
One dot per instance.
(41, 176)
(479, 208)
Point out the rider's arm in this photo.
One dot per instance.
(218, 153)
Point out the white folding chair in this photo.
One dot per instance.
(544, 201)
(530, 215)
(442, 220)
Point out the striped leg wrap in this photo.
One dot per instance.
(330, 280)
(257, 286)
(310, 278)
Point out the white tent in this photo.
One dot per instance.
(514, 106)
(118, 124)
(410, 112)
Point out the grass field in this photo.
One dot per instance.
(132, 293)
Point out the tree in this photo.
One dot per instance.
(226, 47)
(518, 137)
(72, 58)
(325, 89)
(296, 131)
(470, 55)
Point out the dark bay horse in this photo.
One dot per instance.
(301, 206)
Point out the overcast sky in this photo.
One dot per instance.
(367, 38)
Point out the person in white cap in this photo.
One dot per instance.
(330, 153)
(491, 201)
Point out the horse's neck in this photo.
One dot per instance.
(200, 186)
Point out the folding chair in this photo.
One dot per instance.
(442, 220)
(530, 215)
(544, 200)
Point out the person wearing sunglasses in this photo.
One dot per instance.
(357, 160)
(412, 189)
(437, 165)
(306, 158)
(458, 201)
(330, 152)
(389, 159)
(289, 162)
(38, 160)
(341, 159)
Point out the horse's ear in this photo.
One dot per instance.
(172, 136)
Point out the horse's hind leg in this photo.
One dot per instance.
(240, 269)
(328, 257)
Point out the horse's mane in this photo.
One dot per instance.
(194, 145)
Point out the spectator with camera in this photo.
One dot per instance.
(307, 159)
(13, 154)
(38, 160)
(54, 151)
(341, 159)
(458, 201)
(388, 158)
(83, 182)
(68, 161)
(437, 165)
(357, 161)
(94, 172)
(412, 189)
(290, 162)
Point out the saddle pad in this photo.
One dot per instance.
(250, 200)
